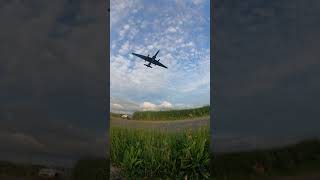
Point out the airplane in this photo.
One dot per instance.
(151, 60)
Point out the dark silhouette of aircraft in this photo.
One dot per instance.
(151, 60)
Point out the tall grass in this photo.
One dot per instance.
(298, 158)
(143, 153)
(172, 114)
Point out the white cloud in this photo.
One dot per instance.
(116, 106)
(189, 44)
(124, 48)
(172, 29)
(119, 9)
(188, 64)
(148, 106)
(165, 104)
(197, 2)
(119, 105)
(123, 31)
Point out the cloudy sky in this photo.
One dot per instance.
(53, 80)
(266, 72)
(181, 31)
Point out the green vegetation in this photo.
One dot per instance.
(91, 168)
(140, 153)
(299, 158)
(172, 114)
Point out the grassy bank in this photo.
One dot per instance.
(172, 114)
(152, 154)
(300, 158)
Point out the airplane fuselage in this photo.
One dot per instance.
(151, 60)
(156, 62)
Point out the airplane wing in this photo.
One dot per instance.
(143, 57)
(160, 64)
(156, 54)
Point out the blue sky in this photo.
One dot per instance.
(181, 30)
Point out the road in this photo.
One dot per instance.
(166, 125)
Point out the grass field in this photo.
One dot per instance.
(303, 157)
(142, 153)
(171, 114)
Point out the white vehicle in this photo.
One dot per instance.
(50, 173)
(125, 116)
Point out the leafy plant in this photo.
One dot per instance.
(141, 153)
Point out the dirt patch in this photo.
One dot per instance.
(115, 173)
